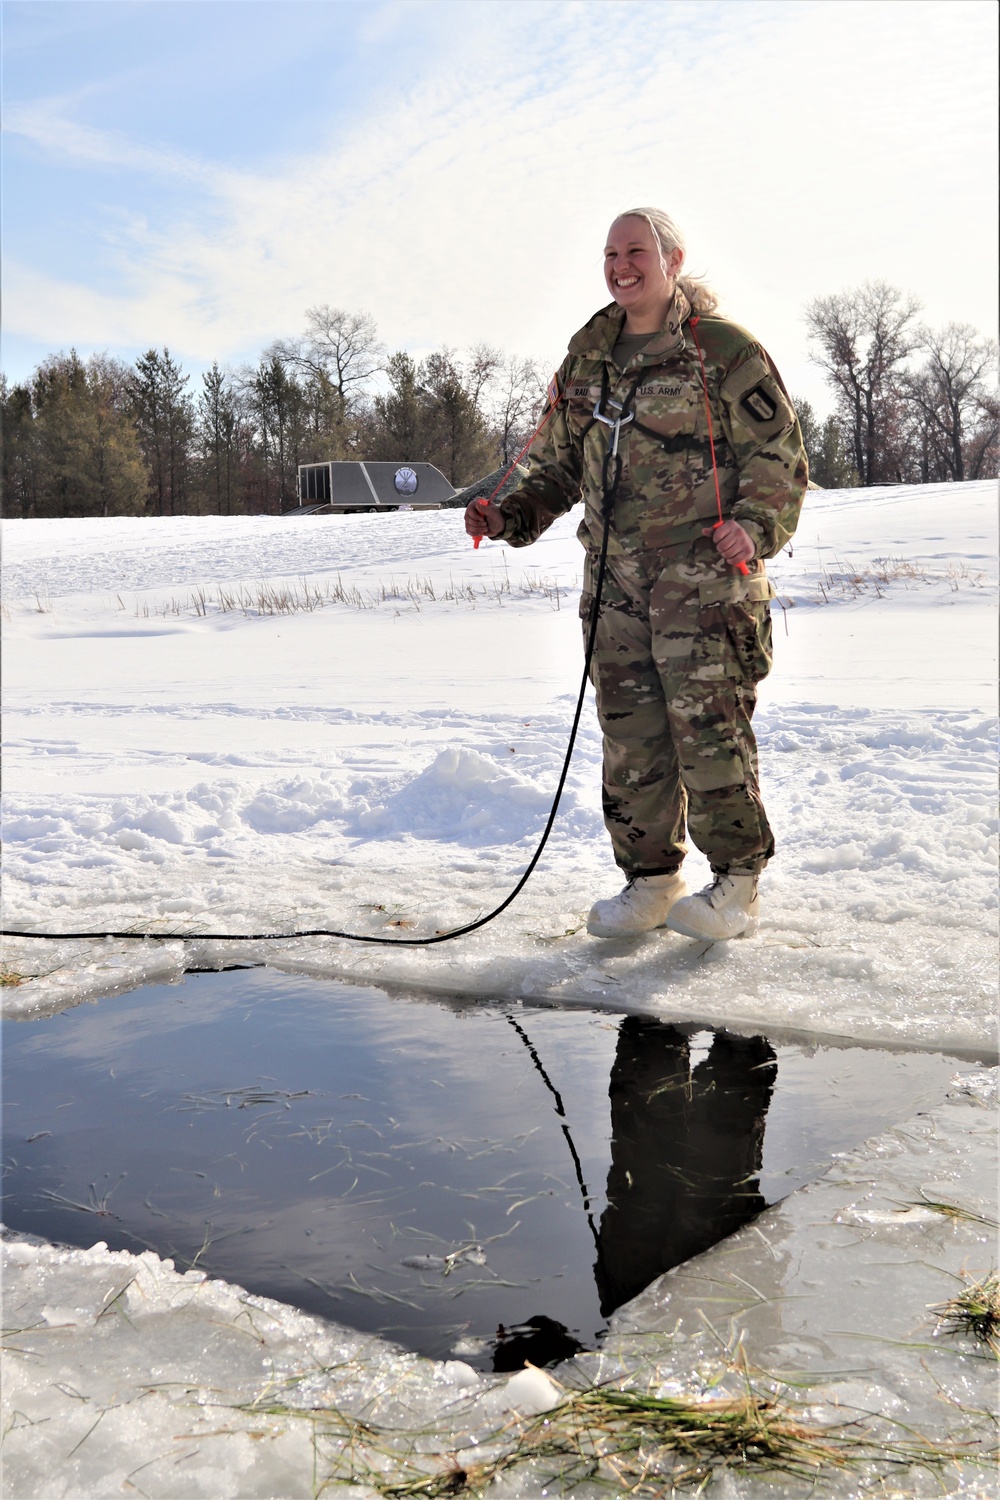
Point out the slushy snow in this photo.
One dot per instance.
(382, 760)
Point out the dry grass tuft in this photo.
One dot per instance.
(956, 1211)
(975, 1311)
(627, 1441)
(269, 597)
(845, 580)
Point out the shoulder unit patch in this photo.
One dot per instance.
(759, 405)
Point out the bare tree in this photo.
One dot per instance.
(983, 445)
(518, 393)
(953, 397)
(340, 347)
(864, 336)
(484, 364)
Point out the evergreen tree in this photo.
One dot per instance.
(326, 431)
(455, 428)
(834, 470)
(21, 459)
(829, 466)
(431, 415)
(217, 430)
(163, 413)
(396, 428)
(119, 480)
(278, 408)
(70, 449)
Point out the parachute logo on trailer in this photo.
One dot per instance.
(405, 481)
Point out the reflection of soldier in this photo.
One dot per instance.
(685, 1152)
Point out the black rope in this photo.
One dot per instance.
(588, 1207)
(611, 480)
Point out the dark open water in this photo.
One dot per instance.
(429, 1170)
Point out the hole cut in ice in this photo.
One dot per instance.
(469, 1179)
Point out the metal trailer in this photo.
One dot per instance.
(355, 486)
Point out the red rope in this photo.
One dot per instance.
(693, 325)
(740, 567)
(553, 403)
(523, 451)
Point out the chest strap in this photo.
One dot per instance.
(677, 444)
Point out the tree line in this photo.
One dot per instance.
(102, 437)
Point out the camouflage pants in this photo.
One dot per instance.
(681, 644)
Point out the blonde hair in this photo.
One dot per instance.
(666, 234)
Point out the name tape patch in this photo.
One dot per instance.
(592, 392)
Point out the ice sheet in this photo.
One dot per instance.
(124, 1374)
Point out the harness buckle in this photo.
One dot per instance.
(615, 423)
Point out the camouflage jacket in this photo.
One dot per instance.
(667, 492)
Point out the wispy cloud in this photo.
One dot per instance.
(802, 146)
(59, 135)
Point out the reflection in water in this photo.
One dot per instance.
(359, 1155)
(686, 1151)
(539, 1341)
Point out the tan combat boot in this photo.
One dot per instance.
(643, 905)
(728, 908)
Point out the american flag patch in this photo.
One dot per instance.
(553, 390)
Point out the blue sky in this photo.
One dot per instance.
(198, 174)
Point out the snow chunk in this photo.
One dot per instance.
(461, 796)
(531, 1391)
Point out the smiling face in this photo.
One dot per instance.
(639, 277)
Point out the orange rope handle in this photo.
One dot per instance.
(741, 567)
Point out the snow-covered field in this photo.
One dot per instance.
(176, 766)
(178, 761)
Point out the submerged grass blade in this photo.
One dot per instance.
(956, 1211)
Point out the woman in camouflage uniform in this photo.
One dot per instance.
(684, 634)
